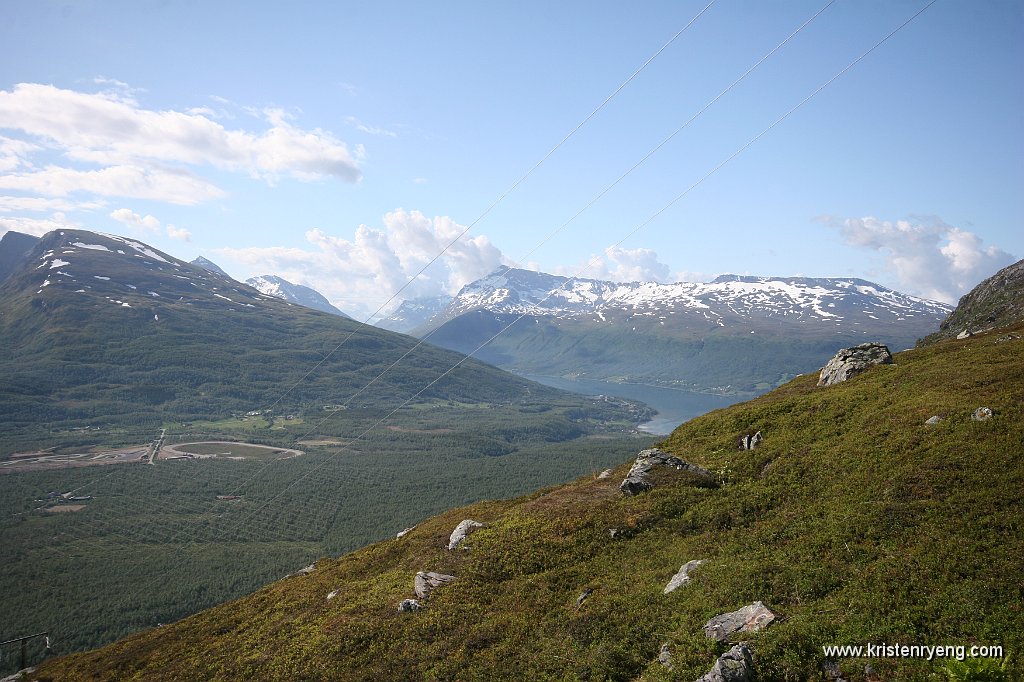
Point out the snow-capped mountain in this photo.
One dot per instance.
(272, 285)
(737, 333)
(729, 299)
(413, 313)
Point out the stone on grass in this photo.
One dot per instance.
(331, 595)
(466, 527)
(428, 581)
(584, 596)
(683, 576)
(965, 334)
(750, 618)
(852, 361)
(637, 480)
(982, 414)
(665, 656)
(403, 533)
(735, 665)
(605, 474)
(409, 605)
(749, 442)
(933, 420)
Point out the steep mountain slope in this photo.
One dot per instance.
(278, 287)
(854, 521)
(413, 313)
(14, 249)
(100, 330)
(996, 302)
(736, 333)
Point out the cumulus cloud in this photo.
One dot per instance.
(622, 265)
(926, 256)
(360, 273)
(35, 226)
(41, 204)
(132, 219)
(179, 233)
(147, 154)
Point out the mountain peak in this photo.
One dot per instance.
(279, 287)
(208, 264)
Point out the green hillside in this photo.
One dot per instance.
(854, 521)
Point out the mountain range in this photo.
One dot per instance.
(881, 510)
(735, 334)
(100, 329)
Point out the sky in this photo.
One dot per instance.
(344, 145)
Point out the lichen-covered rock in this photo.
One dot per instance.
(409, 605)
(665, 656)
(735, 665)
(852, 361)
(464, 528)
(750, 618)
(683, 576)
(638, 480)
(428, 581)
(982, 414)
(749, 442)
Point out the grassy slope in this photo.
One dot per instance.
(854, 521)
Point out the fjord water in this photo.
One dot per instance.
(673, 405)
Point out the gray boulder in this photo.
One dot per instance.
(461, 531)
(933, 420)
(637, 480)
(750, 618)
(409, 605)
(428, 581)
(982, 414)
(683, 576)
(852, 361)
(605, 474)
(735, 665)
(665, 656)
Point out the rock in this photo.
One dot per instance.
(461, 531)
(428, 581)
(665, 656)
(749, 442)
(20, 675)
(852, 361)
(982, 414)
(965, 334)
(403, 533)
(750, 618)
(637, 481)
(583, 597)
(605, 474)
(683, 576)
(409, 605)
(303, 571)
(614, 533)
(832, 672)
(735, 665)
(933, 420)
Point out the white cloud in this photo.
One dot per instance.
(35, 226)
(370, 130)
(131, 219)
(926, 257)
(621, 265)
(179, 233)
(39, 204)
(142, 153)
(361, 273)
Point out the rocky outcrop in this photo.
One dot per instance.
(982, 414)
(749, 442)
(303, 571)
(402, 533)
(683, 576)
(996, 302)
(428, 581)
(750, 618)
(409, 605)
(852, 361)
(735, 665)
(464, 528)
(638, 478)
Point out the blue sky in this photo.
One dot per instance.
(340, 144)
